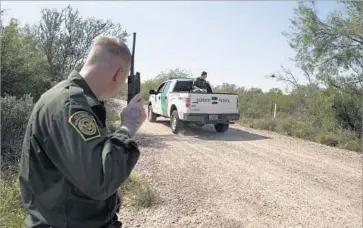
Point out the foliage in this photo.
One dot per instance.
(35, 57)
(65, 38)
(330, 52)
(137, 192)
(228, 88)
(14, 118)
(22, 67)
(122, 94)
(328, 139)
(329, 47)
(11, 207)
(163, 76)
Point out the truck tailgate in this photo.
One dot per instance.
(213, 103)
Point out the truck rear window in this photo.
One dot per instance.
(183, 86)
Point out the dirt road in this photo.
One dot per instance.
(246, 178)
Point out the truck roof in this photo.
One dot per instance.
(178, 79)
(191, 79)
(181, 79)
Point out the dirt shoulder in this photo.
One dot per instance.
(245, 178)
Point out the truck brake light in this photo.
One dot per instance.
(187, 102)
(237, 103)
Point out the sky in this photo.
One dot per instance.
(236, 42)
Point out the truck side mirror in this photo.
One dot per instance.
(152, 91)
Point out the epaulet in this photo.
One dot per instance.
(77, 96)
(75, 91)
(92, 102)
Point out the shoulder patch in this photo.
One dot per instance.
(85, 124)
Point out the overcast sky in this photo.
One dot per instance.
(234, 41)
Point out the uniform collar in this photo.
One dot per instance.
(75, 77)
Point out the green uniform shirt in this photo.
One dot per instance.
(70, 167)
(200, 83)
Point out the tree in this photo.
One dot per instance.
(65, 38)
(331, 48)
(229, 88)
(275, 91)
(173, 74)
(2, 13)
(22, 67)
(330, 52)
(163, 76)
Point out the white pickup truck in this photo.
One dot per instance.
(174, 99)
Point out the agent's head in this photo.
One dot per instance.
(107, 66)
(203, 75)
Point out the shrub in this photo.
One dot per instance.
(112, 126)
(114, 117)
(285, 126)
(353, 145)
(14, 117)
(266, 124)
(305, 130)
(308, 133)
(137, 192)
(252, 113)
(328, 139)
(113, 108)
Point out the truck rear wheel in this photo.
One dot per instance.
(151, 114)
(221, 127)
(175, 123)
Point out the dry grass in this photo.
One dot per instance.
(12, 213)
(137, 192)
(304, 129)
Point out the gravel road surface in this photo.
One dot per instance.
(245, 178)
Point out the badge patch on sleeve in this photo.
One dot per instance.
(85, 124)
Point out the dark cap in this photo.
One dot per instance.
(204, 73)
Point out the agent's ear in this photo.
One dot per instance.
(117, 75)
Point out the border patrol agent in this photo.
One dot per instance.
(200, 84)
(71, 167)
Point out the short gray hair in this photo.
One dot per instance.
(105, 48)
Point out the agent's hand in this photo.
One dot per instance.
(203, 90)
(133, 115)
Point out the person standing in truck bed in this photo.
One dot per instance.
(200, 84)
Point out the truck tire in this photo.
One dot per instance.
(151, 115)
(175, 123)
(221, 127)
